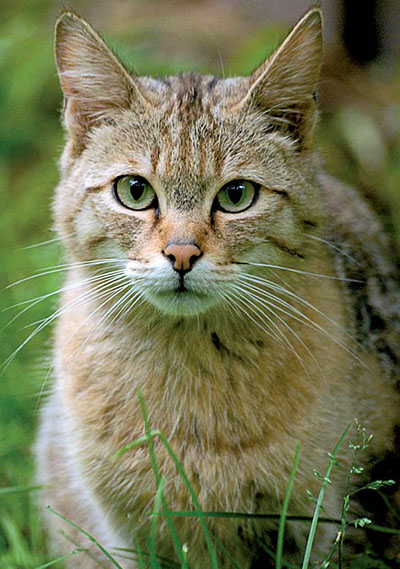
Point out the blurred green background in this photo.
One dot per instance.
(358, 137)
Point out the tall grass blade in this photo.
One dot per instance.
(62, 559)
(139, 550)
(149, 438)
(153, 531)
(86, 534)
(21, 489)
(318, 506)
(242, 515)
(281, 530)
(207, 537)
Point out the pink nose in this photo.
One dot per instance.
(182, 256)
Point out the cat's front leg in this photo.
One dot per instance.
(67, 493)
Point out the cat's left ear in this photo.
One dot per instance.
(284, 87)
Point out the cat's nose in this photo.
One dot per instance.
(182, 255)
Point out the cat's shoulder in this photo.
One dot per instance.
(366, 258)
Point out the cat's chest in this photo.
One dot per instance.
(203, 386)
(220, 397)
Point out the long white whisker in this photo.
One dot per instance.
(333, 246)
(59, 268)
(129, 305)
(47, 242)
(286, 340)
(270, 307)
(269, 331)
(64, 288)
(92, 280)
(89, 296)
(274, 286)
(46, 322)
(294, 313)
(92, 297)
(108, 299)
(269, 284)
(298, 271)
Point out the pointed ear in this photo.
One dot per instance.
(284, 87)
(94, 82)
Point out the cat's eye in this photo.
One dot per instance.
(134, 192)
(236, 196)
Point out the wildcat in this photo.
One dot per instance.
(250, 298)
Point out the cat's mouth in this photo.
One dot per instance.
(184, 294)
(181, 301)
(181, 287)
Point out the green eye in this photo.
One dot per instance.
(236, 196)
(134, 192)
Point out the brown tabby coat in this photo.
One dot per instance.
(286, 331)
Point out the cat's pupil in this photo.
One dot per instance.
(235, 194)
(136, 189)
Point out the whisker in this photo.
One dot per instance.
(274, 286)
(297, 271)
(82, 298)
(270, 307)
(298, 315)
(62, 289)
(270, 332)
(60, 268)
(334, 246)
(89, 296)
(47, 321)
(47, 242)
(129, 305)
(104, 317)
(35, 301)
(286, 340)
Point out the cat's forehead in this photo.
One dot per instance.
(194, 92)
(190, 140)
(193, 136)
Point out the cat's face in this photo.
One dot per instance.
(186, 181)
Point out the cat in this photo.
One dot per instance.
(220, 279)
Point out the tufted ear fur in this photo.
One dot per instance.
(284, 86)
(94, 82)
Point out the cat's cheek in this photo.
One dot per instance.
(92, 235)
(89, 229)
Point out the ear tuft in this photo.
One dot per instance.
(284, 86)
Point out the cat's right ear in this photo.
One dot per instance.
(94, 82)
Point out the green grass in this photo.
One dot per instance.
(30, 143)
(358, 442)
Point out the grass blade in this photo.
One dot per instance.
(157, 504)
(86, 534)
(241, 516)
(21, 489)
(149, 438)
(62, 559)
(325, 482)
(283, 517)
(207, 537)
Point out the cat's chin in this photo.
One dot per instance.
(186, 303)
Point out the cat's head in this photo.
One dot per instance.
(188, 181)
